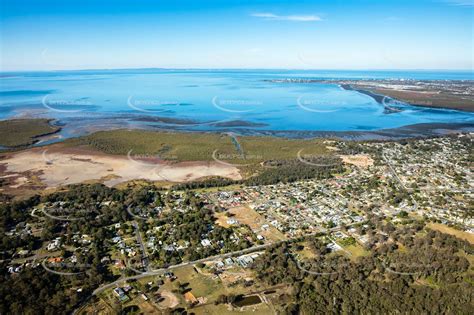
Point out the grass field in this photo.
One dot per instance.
(261, 308)
(452, 231)
(306, 252)
(253, 219)
(202, 286)
(199, 146)
(356, 250)
(23, 132)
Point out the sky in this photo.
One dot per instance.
(263, 34)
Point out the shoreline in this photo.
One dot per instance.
(379, 98)
(450, 95)
(421, 130)
(51, 165)
(15, 128)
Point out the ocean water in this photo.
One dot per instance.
(212, 100)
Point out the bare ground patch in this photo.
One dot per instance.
(359, 160)
(169, 300)
(57, 166)
(248, 216)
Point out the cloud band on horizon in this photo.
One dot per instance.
(295, 18)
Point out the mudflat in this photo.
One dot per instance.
(56, 166)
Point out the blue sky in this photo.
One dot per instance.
(317, 34)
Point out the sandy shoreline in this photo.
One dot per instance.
(56, 166)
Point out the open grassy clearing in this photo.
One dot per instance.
(261, 308)
(306, 252)
(356, 251)
(23, 132)
(97, 308)
(250, 217)
(145, 306)
(201, 285)
(452, 231)
(206, 287)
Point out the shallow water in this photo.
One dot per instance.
(211, 100)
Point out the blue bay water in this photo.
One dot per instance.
(213, 100)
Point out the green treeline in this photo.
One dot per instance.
(430, 276)
(286, 171)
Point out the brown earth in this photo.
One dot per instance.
(58, 165)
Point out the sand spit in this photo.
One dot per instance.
(59, 166)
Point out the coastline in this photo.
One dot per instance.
(422, 130)
(452, 95)
(379, 98)
(23, 133)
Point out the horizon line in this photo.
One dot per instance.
(245, 69)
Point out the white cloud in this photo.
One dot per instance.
(296, 18)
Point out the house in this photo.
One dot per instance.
(105, 259)
(205, 242)
(23, 252)
(55, 260)
(121, 295)
(232, 221)
(333, 247)
(169, 248)
(54, 245)
(12, 269)
(189, 297)
(120, 264)
(244, 261)
(118, 292)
